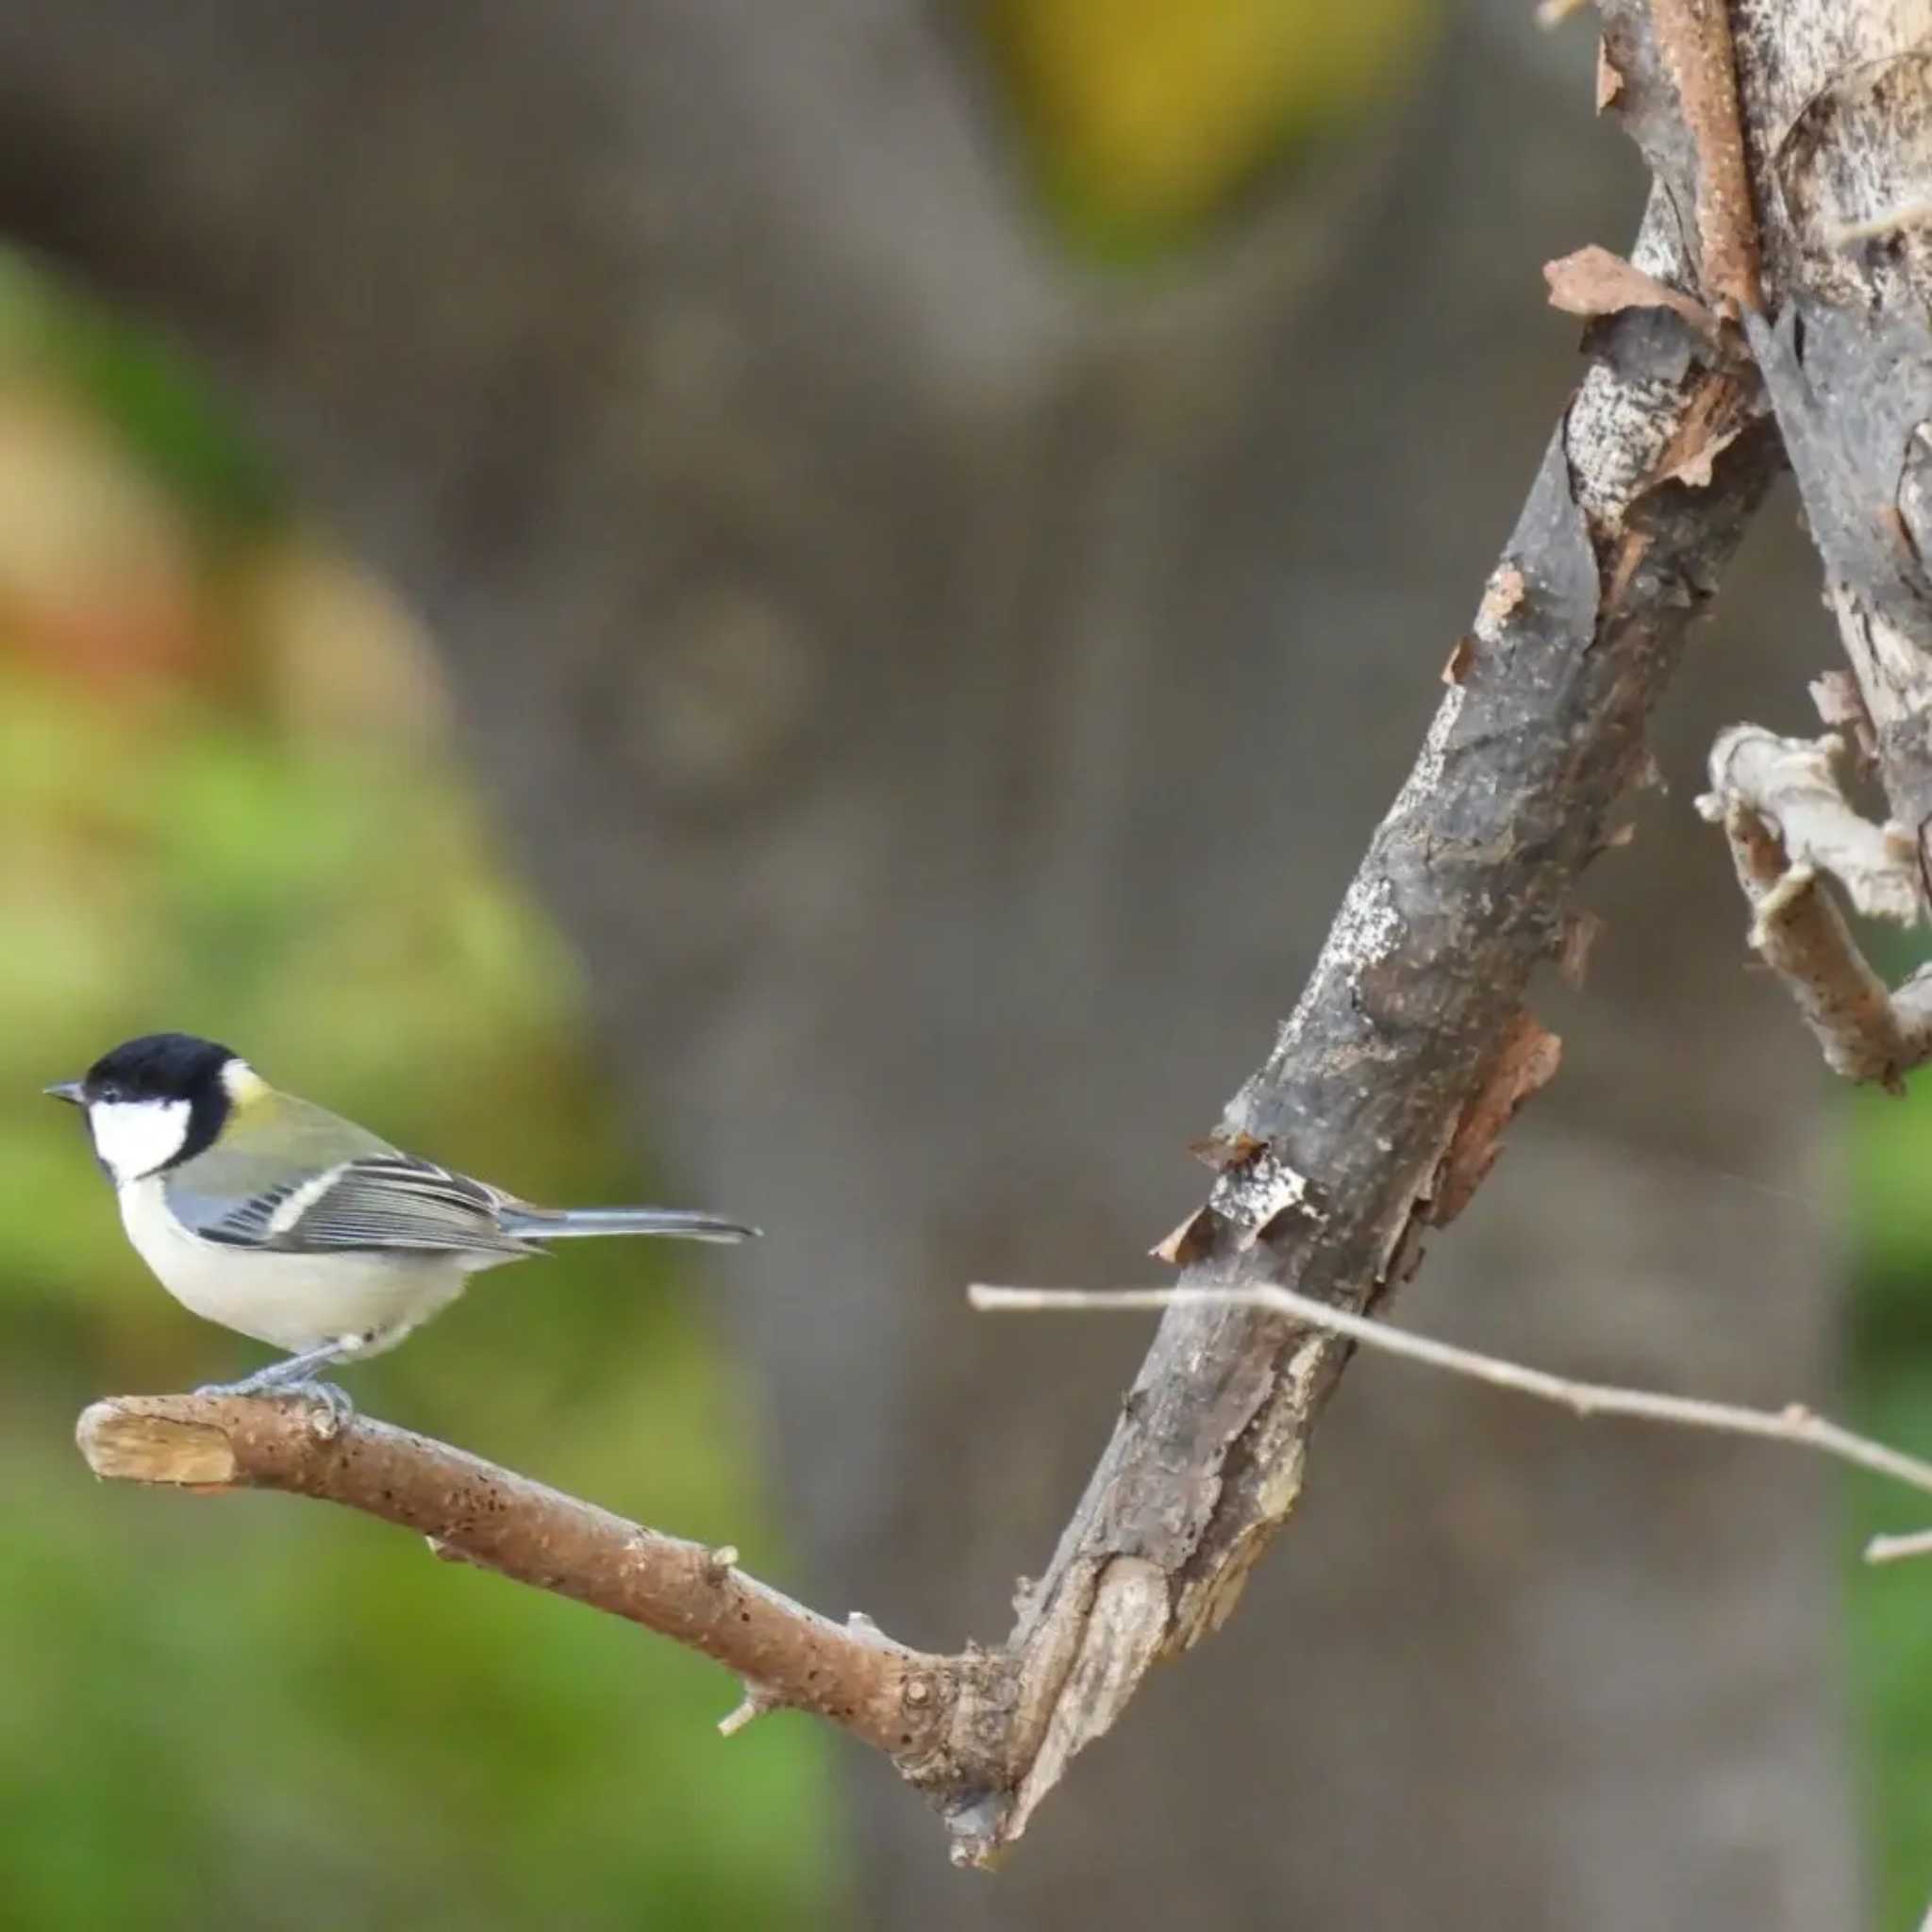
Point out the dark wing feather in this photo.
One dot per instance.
(380, 1201)
(246, 1226)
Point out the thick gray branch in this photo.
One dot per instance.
(1334, 1155)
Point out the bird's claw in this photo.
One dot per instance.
(333, 1405)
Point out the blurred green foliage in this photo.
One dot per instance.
(1888, 1628)
(154, 400)
(251, 1711)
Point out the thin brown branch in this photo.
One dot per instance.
(1695, 38)
(899, 1700)
(1795, 1424)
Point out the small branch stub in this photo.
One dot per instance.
(1792, 784)
(756, 1701)
(1789, 825)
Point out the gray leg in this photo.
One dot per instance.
(296, 1376)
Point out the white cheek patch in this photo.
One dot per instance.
(135, 1137)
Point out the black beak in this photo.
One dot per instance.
(70, 1090)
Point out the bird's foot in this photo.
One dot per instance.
(332, 1405)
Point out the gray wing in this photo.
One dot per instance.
(387, 1200)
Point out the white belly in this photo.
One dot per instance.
(294, 1301)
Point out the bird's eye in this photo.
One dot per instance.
(110, 1094)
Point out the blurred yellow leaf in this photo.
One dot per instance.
(1149, 115)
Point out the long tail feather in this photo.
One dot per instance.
(561, 1223)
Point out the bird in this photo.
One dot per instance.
(296, 1227)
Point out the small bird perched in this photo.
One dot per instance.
(291, 1225)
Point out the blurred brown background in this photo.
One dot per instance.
(898, 552)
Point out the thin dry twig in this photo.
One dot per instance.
(1907, 214)
(1793, 1424)
(1895, 1549)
